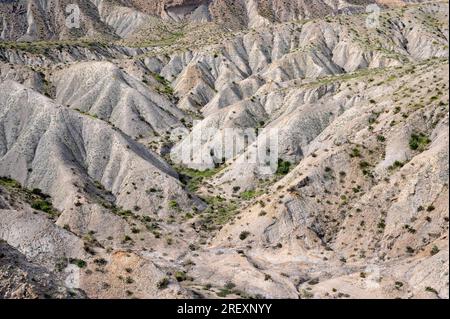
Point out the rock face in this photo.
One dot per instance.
(114, 180)
(21, 279)
(113, 96)
(29, 20)
(253, 13)
(85, 153)
(65, 265)
(384, 222)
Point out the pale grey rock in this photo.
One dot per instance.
(103, 90)
(64, 152)
(21, 279)
(124, 20)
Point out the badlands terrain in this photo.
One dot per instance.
(99, 105)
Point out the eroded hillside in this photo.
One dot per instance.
(94, 191)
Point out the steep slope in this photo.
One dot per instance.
(365, 198)
(53, 262)
(254, 80)
(21, 279)
(123, 20)
(113, 96)
(24, 75)
(32, 20)
(86, 165)
(253, 13)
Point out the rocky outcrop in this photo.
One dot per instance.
(123, 20)
(54, 19)
(51, 19)
(115, 97)
(68, 155)
(349, 198)
(257, 78)
(21, 279)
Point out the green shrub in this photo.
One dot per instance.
(8, 182)
(42, 205)
(173, 204)
(127, 238)
(78, 262)
(244, 235)
(283, 167)
(229, 285)
(418, 142)
(163, 283)
(429, 289)
(396, 165)
(434, 250)
(180, 276)
(223, 293)
(228, 289)
(122, 213)
(398, 284)
(364, 165)
(100, 261)
(193, 179)
(355, 153)
(219, 212)
(38, 192)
